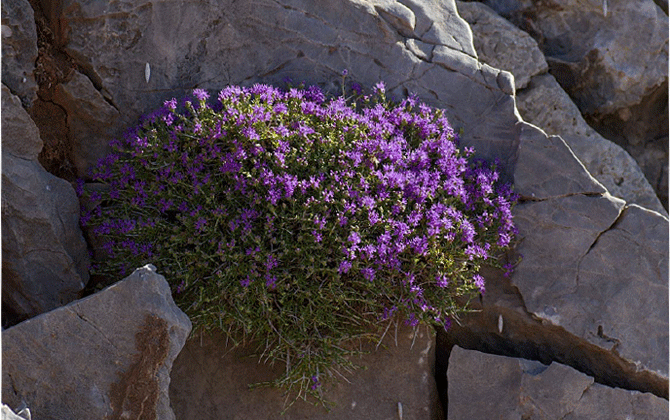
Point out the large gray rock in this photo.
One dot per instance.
(607, 55)
(45, 261)
(545, 104)
(91, 121)
(502, 45)
(210, 380)
(106, 356)
(19, 49)
(591, 265)
(485, 386)
(404, 44)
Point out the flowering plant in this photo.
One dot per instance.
(301, 222)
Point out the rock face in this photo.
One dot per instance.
(19, 49)
(91, 121)
(484, 386)
(545, 104)
(611, 57)
(211, 381)
(105, 356)
(591, 263)
(594, 47)
(541, 101)
(399, 43)
(45, 262)
(502, 45)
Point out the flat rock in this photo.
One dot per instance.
(45, 261)
(485, 386)
(210, 380)
(545, 104)
(19, 49)
(547, 167)
(591, 264)
(106, 356)
(502, 45)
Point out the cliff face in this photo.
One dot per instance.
(561, 94)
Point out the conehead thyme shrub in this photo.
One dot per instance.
(301, 222)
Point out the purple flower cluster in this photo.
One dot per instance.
(267, 196)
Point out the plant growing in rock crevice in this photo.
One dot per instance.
(301, 222)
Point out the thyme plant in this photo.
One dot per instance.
(301, 222)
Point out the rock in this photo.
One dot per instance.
(106, 356)
(606, 55)
(545, 104)
(400, 43)
(211, 381)
(502, 45)
(591, 265)
(8, 414)
(45, 261)
(485, 386)
(19, 49)
(91, 121)
(611, 57)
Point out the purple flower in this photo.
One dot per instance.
(479, 282)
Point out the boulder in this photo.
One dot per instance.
(106, 356)
(607, 55)
(502, 45)
(542, 102)
(19, 49)
(485, 386)
(591, 264)
(400, 43)
(611, 57)
(545, 104)
(45, 261)
(91, 121)
(210, 380)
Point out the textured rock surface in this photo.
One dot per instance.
(545, 104)
(210, 381)
(8, 414)
(611, 57)
(607, 55)
(45, 262)
(400, 43)
(19, 49)
(502, 45)
(484, 386)
(91, 121)
(590, 263)
(106, 356)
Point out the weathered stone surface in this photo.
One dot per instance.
(19, 49)
(592, 265)
(106, 356)
(546, 168)
(545, 104)
(45, 262)
(8, 414)
(92, 122)
(485, 386)
(311, 41)
(210, 381)
(606, 55)
(502, 45)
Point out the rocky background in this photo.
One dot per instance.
(572, 96)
